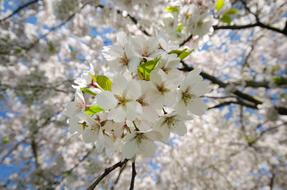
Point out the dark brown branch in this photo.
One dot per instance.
(106, 172)
(243, 96)
(119, 175)
(232, 102)
(261, 84)
(11, 150)
(34, 149)
(267, 131)
(272, 180)
(134, 173)
(186, 40)
(20, 8)
(246, 26)
(135, 21)
(132, 18)
(258, 23)
(54, 28)
(222, 84)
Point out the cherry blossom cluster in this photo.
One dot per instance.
(182, 19)
(142, 98)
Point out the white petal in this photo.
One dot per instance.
(181, 108)
(200, 88)
(155, 76)
(164, 133)
(169, 98)
(197, 107)
(153, 135)
(89, 135)
(130, 149)
(133, 64)
(147, 148)
(179, 128)
(149, 114)
(133, 110)
(75, 125)
(106, 100)
(88, 119)
(117, 115)
(71, 109)
(79, 98)
(120, 84)
(133, 90)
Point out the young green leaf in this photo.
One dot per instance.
(91, 110)
(182, 54)
(104, 82)
(88, 91)
(219, 5)
(179, 27)
(227, 15)
(172, 9)
(146, 68)
(279, 80)
(5, 140)
(231, 11)
(226, 19)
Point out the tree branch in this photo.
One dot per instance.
(20, 8)
(134, 173)
(119, 175)
(258, 23)
(232, 102)
(106, 172)
(132, 18)
(186, 40)
(238, 93)
(246, 26)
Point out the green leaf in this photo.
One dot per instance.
(250, 139)
(219, 5)
(275, 69)
(179, 27)
(103, 81)
(88, 91)
(91, 110)
(5, 140)
(227, 15)
(146, 68)
(172, 9)
(279, 80)
(226, 19)
(51, 48)
(182, 54)
(231, 11)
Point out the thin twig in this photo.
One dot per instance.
(20, 8)
(186, 40)
(134, 173)
(119, 175)
(106, 172)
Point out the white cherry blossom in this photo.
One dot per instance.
(141, 143)
(188, 95)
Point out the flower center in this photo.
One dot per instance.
(122, 100)
(161, 88)
(186, 96)
(142, 101)
(124, 60)
(166, 70)
(169, 121)
(84, 125)
(139, 137)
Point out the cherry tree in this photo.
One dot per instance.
(117, 94)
